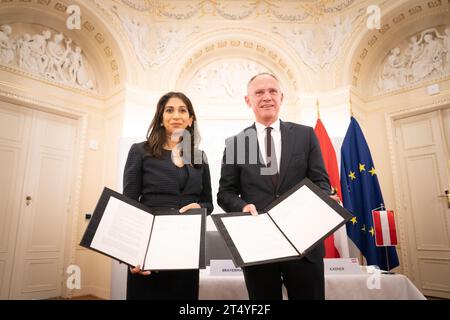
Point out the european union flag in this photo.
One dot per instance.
(361, 194)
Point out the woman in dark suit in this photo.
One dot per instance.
(163, 177)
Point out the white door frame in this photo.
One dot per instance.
(71, 242)
(400, 204)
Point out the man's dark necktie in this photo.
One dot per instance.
(271, 156)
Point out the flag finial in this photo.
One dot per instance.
(350, 104)
(317, 107)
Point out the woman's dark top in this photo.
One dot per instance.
(160, 183)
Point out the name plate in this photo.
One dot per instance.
(342, 266)
(224, 268)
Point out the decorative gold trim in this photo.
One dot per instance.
(303, 11)
(242, 45)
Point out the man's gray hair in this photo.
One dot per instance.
(261, 74)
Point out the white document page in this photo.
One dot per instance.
(123, 232)
(257, 238)
(175, 243)
(304, 218)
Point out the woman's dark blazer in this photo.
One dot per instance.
(154, 182)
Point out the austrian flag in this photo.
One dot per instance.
(385, 231)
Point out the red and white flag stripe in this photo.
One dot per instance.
(385, 231)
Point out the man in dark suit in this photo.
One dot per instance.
(275, 156)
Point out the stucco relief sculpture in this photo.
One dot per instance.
(318, 49)
(290, 10)
(424, 56)
(226, 79)
(447, 46)
(138, 34)
(394, 71)
(6, 45)
(53, 59)
(336, 35)
(152, 46)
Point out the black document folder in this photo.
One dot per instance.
(130, 232)
(287, 229)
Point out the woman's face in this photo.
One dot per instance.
(176, 116)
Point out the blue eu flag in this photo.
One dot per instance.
(361, 194)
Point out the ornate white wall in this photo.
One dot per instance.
(132, 51)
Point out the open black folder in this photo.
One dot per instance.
(128, 231)
(288, 228)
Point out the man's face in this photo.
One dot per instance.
(264, 97)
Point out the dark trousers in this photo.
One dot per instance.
(304, 280)
(164, 285)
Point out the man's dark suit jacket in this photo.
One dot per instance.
(241, 181)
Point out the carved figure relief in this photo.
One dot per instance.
(152, 46)
(226, 79)
(425, 56)
(54, 59)
(316, 54)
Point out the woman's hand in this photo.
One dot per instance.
(250, 208)
(138, 270)
(190, 206)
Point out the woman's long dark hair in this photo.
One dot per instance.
(156, 133)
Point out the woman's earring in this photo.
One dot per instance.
(161, 124)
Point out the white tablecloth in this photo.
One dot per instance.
(356, 287)
(337, 287)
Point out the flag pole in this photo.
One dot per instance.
(350, 104)
(317, 107)
(387, 258)
(386, 252)
(385, 248)
(381, 207)
(387, 262)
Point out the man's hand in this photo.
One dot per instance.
(336, 198)
(137, 269)
(250, 208)
(190, 206)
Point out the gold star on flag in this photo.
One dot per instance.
(372, 231)
(372, 171)
(362, 167)
(354, 220)
(352, 175)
